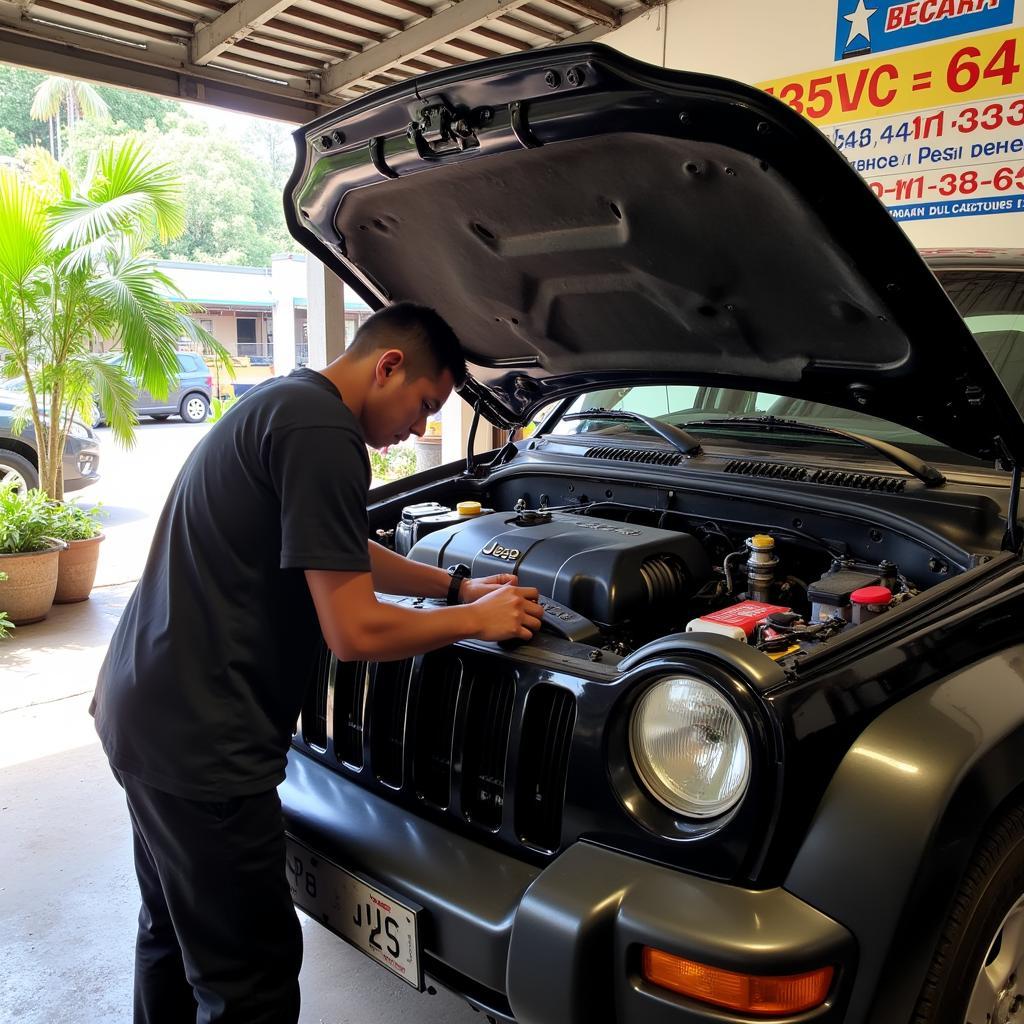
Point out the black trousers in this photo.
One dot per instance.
(218, 936)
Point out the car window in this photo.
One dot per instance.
(991, 302)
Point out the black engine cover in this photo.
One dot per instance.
(609, 571)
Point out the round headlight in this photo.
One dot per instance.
(690, 747)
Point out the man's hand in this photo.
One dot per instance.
(508, 612)
(473, 589)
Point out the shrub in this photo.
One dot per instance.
(26, 521)
(71, 522)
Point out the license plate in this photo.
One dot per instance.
(373, 921)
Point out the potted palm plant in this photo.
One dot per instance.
(79, 529)
(28, 554)
(73, 270)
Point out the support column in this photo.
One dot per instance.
(325, 311)
(282, 291)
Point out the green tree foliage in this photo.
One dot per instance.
(231, 197)
(17, 88)
(72, 269)
(136, 110)
(231, 182)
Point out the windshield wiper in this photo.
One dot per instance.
(915, 466)
(676, 436)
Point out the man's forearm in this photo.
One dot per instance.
(393, 632)
(395, 574)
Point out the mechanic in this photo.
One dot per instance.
(260, 548)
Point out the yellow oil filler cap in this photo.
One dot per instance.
(468, 508)
(759, 541)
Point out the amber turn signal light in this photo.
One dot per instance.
(764, 995)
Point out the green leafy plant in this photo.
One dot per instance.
(219, 407)
(26, 521)
(72, 522)
(73, 271)
(394, 464)
(5, 623)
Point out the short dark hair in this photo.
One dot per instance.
(422, 335)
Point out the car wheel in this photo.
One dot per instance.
(977, 974)
(194, 408)
(159, 416)
(17, 470)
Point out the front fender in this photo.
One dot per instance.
(900, 819)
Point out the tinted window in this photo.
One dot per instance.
(992, 303)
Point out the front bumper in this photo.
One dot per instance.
(560, 944)
(81, 465)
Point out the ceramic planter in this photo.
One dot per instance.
(77, 570)
(27, 593)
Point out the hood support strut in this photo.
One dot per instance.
(1012, 537)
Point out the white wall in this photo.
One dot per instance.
(757, 41)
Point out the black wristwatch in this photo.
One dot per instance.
(458, 573)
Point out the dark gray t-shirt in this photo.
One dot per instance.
(204, 678)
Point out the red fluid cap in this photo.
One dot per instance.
(871, 595)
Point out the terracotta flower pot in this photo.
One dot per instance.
(27, 593)
(77, 570)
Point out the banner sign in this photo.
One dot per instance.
(937, 131)
(891, 24)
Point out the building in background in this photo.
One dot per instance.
(246, 308)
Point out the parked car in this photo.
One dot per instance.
(766, 757)
(188, 397)
(19, 461)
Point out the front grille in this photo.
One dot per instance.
(544, 757)
(388, 700)
(350, 683)
(486, 744)
(648, 456)
(435, 728)
(314, 707)
(442, 734)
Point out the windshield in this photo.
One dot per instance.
(991, 302)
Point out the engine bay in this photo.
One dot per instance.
(615, 577)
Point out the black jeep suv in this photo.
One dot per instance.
(766, 758)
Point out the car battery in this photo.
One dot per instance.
(830, 596)
(737, 621)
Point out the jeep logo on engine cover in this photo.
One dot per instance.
(496, 549)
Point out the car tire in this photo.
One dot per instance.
(194, 408)
(159, 416)
(972, 975)
(16, 469)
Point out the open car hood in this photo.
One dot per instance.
(583, 220)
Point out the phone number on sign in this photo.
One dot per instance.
(964, 183)
(991, 117)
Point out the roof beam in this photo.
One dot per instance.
(595, 10)
(234, 24)
(442, 26)
(162, 69)
(411, 7)
(343, 7)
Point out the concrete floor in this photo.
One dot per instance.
(68, 899)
